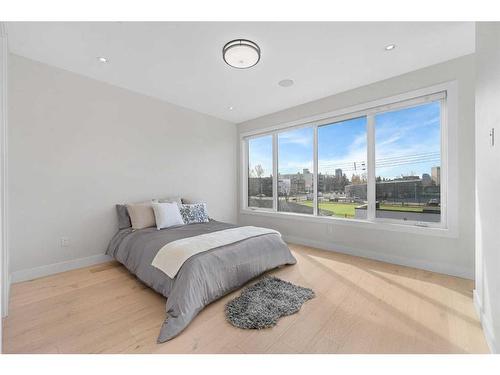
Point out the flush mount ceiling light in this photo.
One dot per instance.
(390, 47)
(286, 83)
(102, 59)
(241, 53)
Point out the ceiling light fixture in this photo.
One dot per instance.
(286, 83)
(241, 53)
(390, 47)
(230, 108)
(102, 59)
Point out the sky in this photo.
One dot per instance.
(343, 145)
(407, 142)
(295, 150)
(260, 151)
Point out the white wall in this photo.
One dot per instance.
(487, 292)
(443, 254)
(78, 146)
(4, 261)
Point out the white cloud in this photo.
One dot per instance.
(297, 138)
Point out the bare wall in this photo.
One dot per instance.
(442, 254)
(487, 293)
(78, 146)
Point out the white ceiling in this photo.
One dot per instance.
(181, 62)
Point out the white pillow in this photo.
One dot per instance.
(167, 215)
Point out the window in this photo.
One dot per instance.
(408, 163)
(342, 170)
(260, 172)
(295, 165)
(383, 163)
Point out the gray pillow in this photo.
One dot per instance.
(194, 213)
(123, 216)
(177, 200)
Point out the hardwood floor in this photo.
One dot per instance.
(361, 306)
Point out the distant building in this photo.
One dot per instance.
(356, 193)
(408, 178)
(332, 183)
(436, 175)
(296, 183)
(397, 191)
(308, 180)
(426, 179)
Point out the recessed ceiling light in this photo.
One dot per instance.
(102, 59)
(230, 108)
(286, 83)
(241, 53)
(390, 47)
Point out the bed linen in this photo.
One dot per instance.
(172, 256)
(204, 277)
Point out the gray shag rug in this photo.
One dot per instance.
(262, 304)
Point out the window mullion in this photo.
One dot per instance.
(246, 173)
(371, 187)
(315, 172)
(444, 162)
(275, 172)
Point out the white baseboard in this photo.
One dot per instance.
(6, 296)
(485, 323)
(389, 258)
(50, 269)
(477, 303)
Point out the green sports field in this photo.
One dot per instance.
(347, 209)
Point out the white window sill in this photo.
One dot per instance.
(362, 224)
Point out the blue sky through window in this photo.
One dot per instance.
(260, 151)
(342, 145)
(408, 142)
(295, 151)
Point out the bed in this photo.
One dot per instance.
(204, 277)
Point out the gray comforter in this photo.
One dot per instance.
(204, 277)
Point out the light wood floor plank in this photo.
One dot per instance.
(361, 306)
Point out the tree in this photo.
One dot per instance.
(259, 171)
(285, 189)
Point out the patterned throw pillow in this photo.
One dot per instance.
(194, 213)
